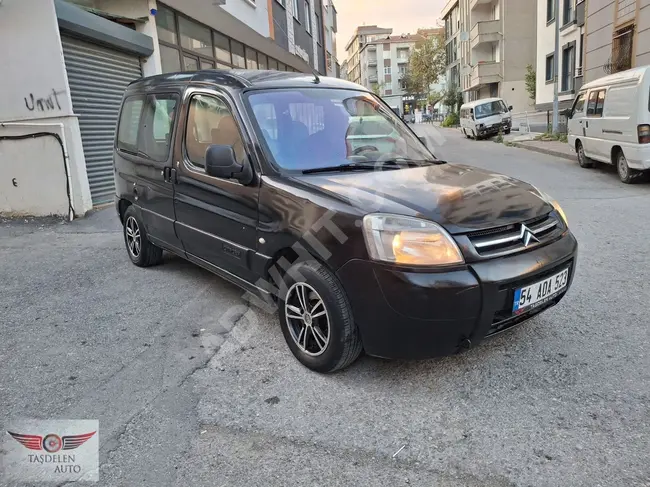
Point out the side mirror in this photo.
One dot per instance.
(510, 108)
(566, 112)
(220, 162)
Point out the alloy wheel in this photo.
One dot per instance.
(307, 319)
(133, 240)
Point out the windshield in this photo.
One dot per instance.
(489, 109)
(312, 128)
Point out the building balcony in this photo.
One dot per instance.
(484, 73)
(475, 3)
(372, 78)
(402, 60)
(484, 32)
(372, 47)
(372, 62)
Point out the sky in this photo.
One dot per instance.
(404, 16)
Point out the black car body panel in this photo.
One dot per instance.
(243, 231)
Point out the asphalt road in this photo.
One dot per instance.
(193, 387)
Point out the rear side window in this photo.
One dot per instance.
(158, 125)
(601, 103)
(127, 132)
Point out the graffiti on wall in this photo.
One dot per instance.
(44, 104)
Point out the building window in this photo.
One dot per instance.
(190, 63)
(388, 92)
(222, 48)
(622, 46)
(567, 12)
(317, 28)
(568, 68)
(550, 10)
(251, 58)
(295, 10)
(262, 62)
(238, 60)
(195, 37)
(550, 68)
(166, 25)
(273, 64)
(387, 70)
(169, 59)
(307, 17)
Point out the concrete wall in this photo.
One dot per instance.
(599, 28)
(35, 97)
(602, 18)
(519, 49)
(546, 45)
(254, 14)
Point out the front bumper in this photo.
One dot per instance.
(417, 315)
(494, 129)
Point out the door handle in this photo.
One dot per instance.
(587, 123)
(169, 175)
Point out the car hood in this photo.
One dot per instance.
(460, 198)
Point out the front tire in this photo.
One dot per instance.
(141, 251)
(583, 160)
(316, 319)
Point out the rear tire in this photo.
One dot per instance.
(316, 319)
(625, 172)
(583, 160)
(141, 251)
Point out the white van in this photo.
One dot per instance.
(610, 122)
(482, 118)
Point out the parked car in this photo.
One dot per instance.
(372, 132)
(610, 122)
(486, 117)
(375, 247)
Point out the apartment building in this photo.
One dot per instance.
(83, 53)
(330, 24)
(297, 27)
(355, 45)
(570, 61)
(617, 36)
(490, 43)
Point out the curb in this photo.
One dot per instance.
(541, 150)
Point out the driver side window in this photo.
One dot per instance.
(209, 122)
(579, 103)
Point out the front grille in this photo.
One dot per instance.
(515, 238)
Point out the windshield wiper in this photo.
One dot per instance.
(357, 166)
(411, 162)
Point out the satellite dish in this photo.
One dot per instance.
(464, 36)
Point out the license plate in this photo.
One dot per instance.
(530, 297)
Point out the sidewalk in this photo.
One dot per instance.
(552, 148)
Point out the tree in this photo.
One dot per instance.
(377, 88)
(412, 85)
(453, 98)
(531, 82)
(427, 62)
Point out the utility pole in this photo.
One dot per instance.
(556, 64)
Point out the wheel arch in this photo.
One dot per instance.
(122, 206)
(614, 152)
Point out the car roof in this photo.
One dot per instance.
(634, 75)
(474, 103)
(245, 79)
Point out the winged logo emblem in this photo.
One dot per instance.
(51, 443)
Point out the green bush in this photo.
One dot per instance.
(451, 120)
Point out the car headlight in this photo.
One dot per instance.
(555, 205)
(559, 209)
(406, 240)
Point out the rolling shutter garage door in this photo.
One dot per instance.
(98, 77)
